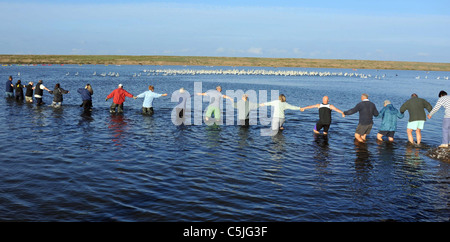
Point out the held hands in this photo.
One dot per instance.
(302, 109)
(429, 116)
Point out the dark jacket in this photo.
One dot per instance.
(19, 89)
(389, 116)
(85, 94)
(9, 88)
(366, 110)
(29, 92)
(415, 107)
(58, 94)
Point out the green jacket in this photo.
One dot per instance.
(415, 107)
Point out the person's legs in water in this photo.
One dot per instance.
(418, 136)
(112, 109)
(120, 108)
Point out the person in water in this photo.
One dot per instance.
(244, 106)
(149, 96)
(324, 115)
(389, 115)
(18, 87)
(9, 91)
(86, 96)
(278, 117)
(366, 110)
(443, 101)
(215, 101)
(39, 92)
(58, 95)
(29, 92)
(417, 117)
(118, 96)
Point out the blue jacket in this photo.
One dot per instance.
(85, 94)
(9, 88)
(389, 116)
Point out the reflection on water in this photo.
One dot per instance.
(277, 149)
(119, 126)
(96, 166)
(363, 160)
(321, 149)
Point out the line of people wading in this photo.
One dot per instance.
(367, 110)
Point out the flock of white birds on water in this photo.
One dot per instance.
(174, 72)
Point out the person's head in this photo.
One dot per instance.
(282, 98)
(57, 85)
(245, 97)
(89, 88)
(442, 93)
(151, 88)
(40, 82)
(18, 81)
(120, 86)
(10, 78)
(414, 95)
(219, 88)
(325, 100)
(386, 102)
(364, 96)
(31, 83)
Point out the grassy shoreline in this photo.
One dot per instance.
(221, 61)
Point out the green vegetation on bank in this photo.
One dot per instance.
(220, 61)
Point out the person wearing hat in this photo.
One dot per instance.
(389, 115)
(118, 96)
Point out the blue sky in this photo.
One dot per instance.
(368, 30)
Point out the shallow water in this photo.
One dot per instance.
(64, 165)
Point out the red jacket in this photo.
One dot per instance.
(119, 95)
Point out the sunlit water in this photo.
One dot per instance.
(63, 165)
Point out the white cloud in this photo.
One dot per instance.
(255, 51)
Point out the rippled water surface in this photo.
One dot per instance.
(63, 165)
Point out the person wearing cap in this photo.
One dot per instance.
(417, 117)
(149, 96)
(389, 115)
(443, 101)
(118, 96)
(324, 115)
(366, 110)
